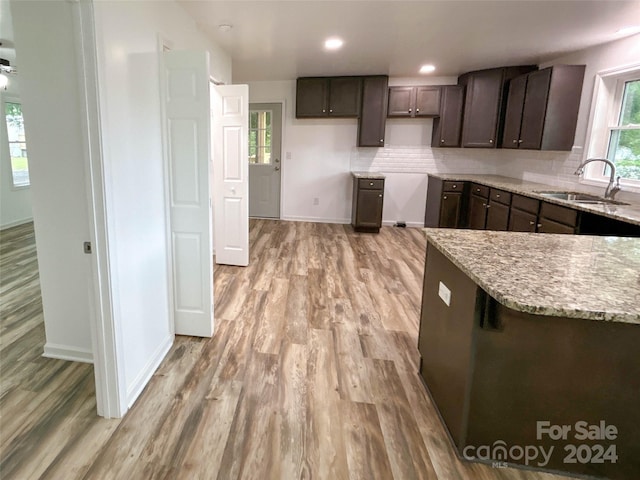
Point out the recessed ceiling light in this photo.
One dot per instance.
(427, 68)
(225, 27)
(631, 29)
(333, 43)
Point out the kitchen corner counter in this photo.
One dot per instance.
(368, 175)
(573, 276)
(626, 213)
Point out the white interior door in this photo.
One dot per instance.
(230, 118)
(265, 140)
(186, 91)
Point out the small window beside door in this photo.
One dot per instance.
(17, 144)
(260, 136)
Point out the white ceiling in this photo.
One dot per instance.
(275, 40)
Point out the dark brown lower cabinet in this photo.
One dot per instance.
(550, 226)
(556, 219)
(493, 373)
(477, 212)
(368, 197)
(497, 216)
(521, 221)
(451, 209)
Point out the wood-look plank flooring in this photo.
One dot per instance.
(311, 374)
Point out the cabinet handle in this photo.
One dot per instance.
(409, 110)
(442, 141)
(497, 195)
(532, 223)
(491, 141)
(454, 186)
(478, 190)
(330, 111)
(417, 110)
(519, 141)
(324, 111)
(380, 195)
(381, 140)
(444, 198)
(515, 141)
(371, 183)
(539, 225)
(487, 205)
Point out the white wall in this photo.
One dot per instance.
(15, 202)
(51, 110)
(128, 52)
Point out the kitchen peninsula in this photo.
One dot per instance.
(521, 328)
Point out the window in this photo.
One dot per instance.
(17, 144)
(260, 133)
(615, 129)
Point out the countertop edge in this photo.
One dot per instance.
(514, 304)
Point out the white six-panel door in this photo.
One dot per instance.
(230, 118)
(187, 100)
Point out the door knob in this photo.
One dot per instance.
(277, 169)
(277, 160)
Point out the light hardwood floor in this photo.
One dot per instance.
(311, 374)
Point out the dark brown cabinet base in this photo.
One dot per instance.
(493, 373)
(368, 199)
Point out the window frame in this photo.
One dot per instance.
(605, 115)
(259, 145)
(13, 99)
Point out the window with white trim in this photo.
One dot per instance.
(615, 129)
(17, 144)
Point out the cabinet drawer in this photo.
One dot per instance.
(526, 204)
(450, 186)
(559, 214)
(500, 196)
(371, 183)
(480, 190)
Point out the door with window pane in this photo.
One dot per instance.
(265, 166)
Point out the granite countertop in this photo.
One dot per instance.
(368, 175)
(625, 213)
(576, 276)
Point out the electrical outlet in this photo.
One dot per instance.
(316, 201)
(288, 155)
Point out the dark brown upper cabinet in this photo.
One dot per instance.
(328, 97)
(372, 122)
(542, 109)
(447, 127)
(423, 101)
(483, 117)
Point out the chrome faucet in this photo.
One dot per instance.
(612, 189)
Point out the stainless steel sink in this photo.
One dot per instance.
(578, 197)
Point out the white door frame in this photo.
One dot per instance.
(107, 359)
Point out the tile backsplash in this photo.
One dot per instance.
(552, 168)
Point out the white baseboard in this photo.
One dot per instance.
(317, 219)
(64, 352)
(135, 389)
(16, 223)
(391, 223)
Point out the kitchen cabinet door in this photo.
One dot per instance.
(401, 101)
(534, 109)
(521, 221)
(368, 197)
(344, 96)
(373, 117)
(427, 101)
(450, 210)
(477, 212)
(497, 216)
(312, 97)
(447, 127)
(482, 108)
(513, 116)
